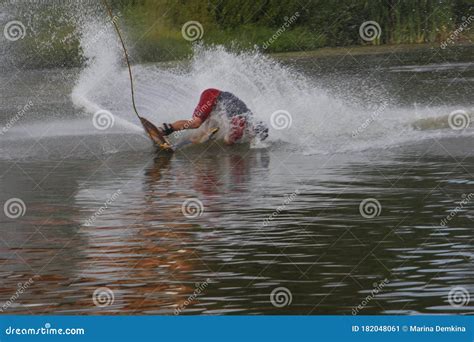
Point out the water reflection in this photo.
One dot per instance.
(318, 245)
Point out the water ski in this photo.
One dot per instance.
(156, 135)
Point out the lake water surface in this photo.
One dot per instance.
(321, 220)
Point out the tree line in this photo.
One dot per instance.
(153, 29)
(320, 23)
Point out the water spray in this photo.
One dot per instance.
(150, 129)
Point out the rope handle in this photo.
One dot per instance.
(109, 11)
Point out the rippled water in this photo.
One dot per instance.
(318, 246)
(272, 220)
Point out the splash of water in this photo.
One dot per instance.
(312, 119)
(299, 110)
(103, 68)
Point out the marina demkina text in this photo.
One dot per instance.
(437, 328)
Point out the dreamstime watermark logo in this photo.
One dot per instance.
(189, 123)
(14, 30)
(279, 209)
(465, 201)
(103, 119)
(370, 208)
(288, 22)
(198, 114)
(377, 288)
(14, 208)
(22, 287)
(459, 119)
(458, 296)
(17, 117)
(192, 208)
(375, 114)
(456, 33)
(370, 30)
(103, 296)
(192, 31)
(101, 210)
(281, 119)
(42, 331)
(281, 297)
(199, 289)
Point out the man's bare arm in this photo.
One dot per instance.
(187, 124)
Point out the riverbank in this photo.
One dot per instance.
(72, 56)
(357, 50)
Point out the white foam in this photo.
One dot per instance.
(320, 122)
(97, 80)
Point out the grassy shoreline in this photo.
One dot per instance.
(73, 59)
(154, 49)
(361, 50)
(354, 50)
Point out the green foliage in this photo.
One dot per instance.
(246, 23)
(153, 27)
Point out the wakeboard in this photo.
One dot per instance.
(156, 135)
